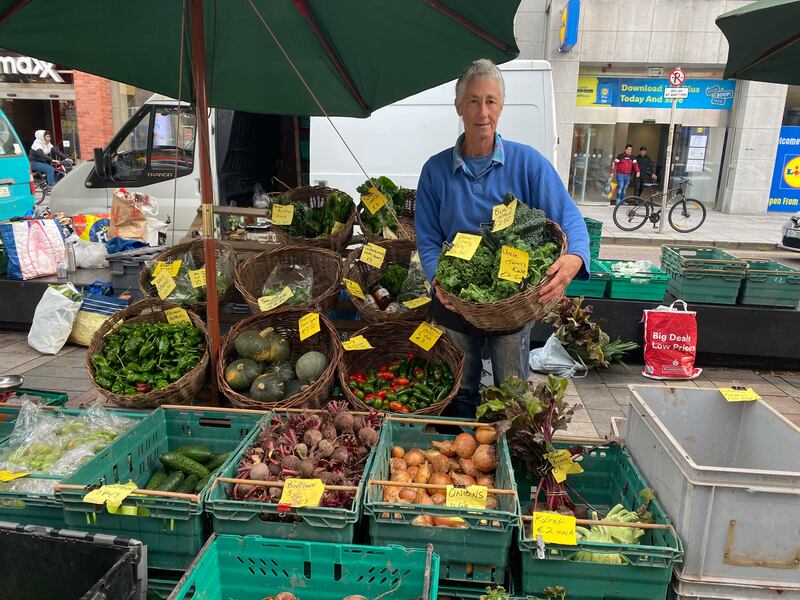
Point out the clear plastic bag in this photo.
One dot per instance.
(632, 267)
(260, 200)
(415, 282)
(298, 278)
(553, 358)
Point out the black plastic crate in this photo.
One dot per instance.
(125, 268)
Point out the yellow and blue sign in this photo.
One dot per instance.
(570, 16)
(645, 92)
(784, 194)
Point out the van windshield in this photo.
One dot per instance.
(9, 144)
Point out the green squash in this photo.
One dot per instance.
(311, 365)
(268, 388)
(284, 370)
(266, 345)
(241, 373)
(295, 386)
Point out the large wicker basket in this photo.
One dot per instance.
(405, 217)
(512, 313)
(223, 251)
(397, 252)
(315, 197)
(326, 264)
(391, 342)
(285, 322)
(150, 310)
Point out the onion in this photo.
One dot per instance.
(438, 499)
(423, 473)
(398, 464)
(423, 498)
(408, 494)
(440, 463)
(465, 445)
(486, 480)
(412, 471)
(398, 452)
(414, 457)
(462, 479)
(468, 467)
(431, 454)
(485, 458)
(401, 477)
(452, 464)
(422, 521)
(455, 522)
(486, 435)
(445, 447)
(492, 503)
(440, 479)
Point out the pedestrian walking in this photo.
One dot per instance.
(623, 169)
(647, 170)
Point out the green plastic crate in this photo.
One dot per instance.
(160, 584)
(8, 418)
(706, 258)
(595, 229)
(173, 529)
(641, 286)
(609, 477)
(702, 274)
(770, 283)
(47, 398)
(254, 568)
(595, 286)
(488, 531)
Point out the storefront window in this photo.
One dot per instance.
(592, 153)
(697, 155)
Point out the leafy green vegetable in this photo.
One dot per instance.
(384, 221)
(317, 222)
(392, 279)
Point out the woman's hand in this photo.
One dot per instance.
(563, 271)
(442, 300)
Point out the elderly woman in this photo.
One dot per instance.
(458, 188)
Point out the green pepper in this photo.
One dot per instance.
(368, 389)
(117, 387)
(163, 344)
(160, 383)
(133, 378)
(148, 365)
(359, 394)
(99, 362)
(129, 391)
(421, 387)
(146, 350)
(103, 382)
(391, 396)
(185, 363)
(440, 396)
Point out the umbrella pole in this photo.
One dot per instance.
(206, 185)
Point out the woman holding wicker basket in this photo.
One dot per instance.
(457, 191)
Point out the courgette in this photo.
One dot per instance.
(187, 486)
(217, 461)
(156, 480)
(171, 483)
(179, 462)
(201, 454)
(201, 484)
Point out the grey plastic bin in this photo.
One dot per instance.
(728, 474)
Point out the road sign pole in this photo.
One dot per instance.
(667, 167)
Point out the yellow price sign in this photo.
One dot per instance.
(513, 264)
(562, 465)
(298, 493)
(164, 284)
(354, 288)
(426, 335)
(472, 496)
(309, 325)
(373, 255)
(416, 302)
(198, 277)
(8, 475)
(171, 268)
(739, 395)
(177, 315)
(373, 200)
(266, 303)
(282, 214)
(357, 342)
(555, 528)
(464, 246)
(503, 215)
(110, 495)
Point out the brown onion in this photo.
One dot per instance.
(464, 445)
(397, 452)
(440, 463)
(401, 477)
(486, 435)
(391, 493)
(438, 499)
(423, 498)
(455, 522)
(452, 464)
(485, 458)
(423, 473)
(468, 467)
(422, 521)
(492, 503)
(462, 479)
(412, 471)
(408, 494)
(431, 454)
(440, 479)
(485, 480)
(414, 457)
(398, 464)
(445, 447)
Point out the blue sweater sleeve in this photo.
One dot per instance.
(430, 236)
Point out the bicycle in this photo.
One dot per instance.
(633, 212)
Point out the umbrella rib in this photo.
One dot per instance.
(305, 10)
(462, 20)
(768, 54)
(12, 10)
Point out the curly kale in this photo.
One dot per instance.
(384, 221)
(530, 224)
(454, 274)
(392, 279)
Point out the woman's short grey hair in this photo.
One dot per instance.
(482, 68)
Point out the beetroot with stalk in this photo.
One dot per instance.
(343, 422)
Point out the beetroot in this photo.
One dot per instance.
(312, 437)
(324, 449)
(329, 432)
(340, 455)
(368, 436)
(291, 462)
(343, 422)
(301, 450)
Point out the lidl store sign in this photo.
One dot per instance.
(645, 92)
(784, 195)
(570, 15)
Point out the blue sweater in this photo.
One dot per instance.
(451, 199)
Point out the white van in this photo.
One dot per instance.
(158, 143)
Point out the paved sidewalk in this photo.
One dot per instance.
(602, 394)
(749, 232)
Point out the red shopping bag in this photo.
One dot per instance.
(670, 343)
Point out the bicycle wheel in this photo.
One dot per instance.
(631, 213)
(687, 215)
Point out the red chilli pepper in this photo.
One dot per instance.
(401, 381)
(410, 356)
(382, 394)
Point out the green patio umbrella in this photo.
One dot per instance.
(291, 57)
(764, 41)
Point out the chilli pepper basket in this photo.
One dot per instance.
(150, 310)
(224, 252)
(510, 314)
(397, 252)
(285, 322)
(391, 341)
(327, 271)
(315, 197)
(405, 217)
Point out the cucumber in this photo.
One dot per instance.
(171, 483)
(201, 484)
(156, 480)
(217, 461)
(201, 454)
(179, 462)
(187, 485)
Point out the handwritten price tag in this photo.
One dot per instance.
(734, 395)
(562, 465)
(164, 284)
(464, 246)
(554, 528)
(282, 214)
(373, 255)
(177, 315)
(426, 335)
(513, 264)
(309, 325)
(472, 496)
(266, 303)
(298, 493)
(8, 475)
(198, 278)
(358, 342)
(374, 200)
(354, 288)
(110, 495)
(171, 268)
(416, 302)
(503, 215)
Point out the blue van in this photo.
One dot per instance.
(16, 186)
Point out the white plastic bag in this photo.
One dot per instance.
(553, 358)
(53, 319)
(89, 255)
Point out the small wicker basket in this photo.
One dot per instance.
(315, 197)
(405, 217)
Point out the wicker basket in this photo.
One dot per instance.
(314, 197)
(150, 310)
(391, 341)
(224, 252)
(327, 266)
(405, 217)
(284, 321)
(397, 252)
(512, 313)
